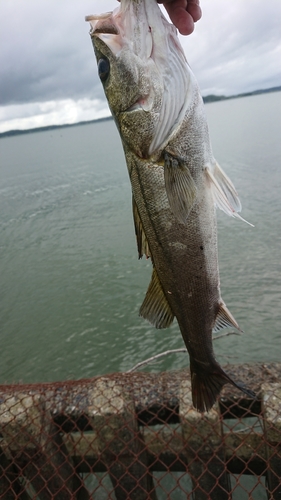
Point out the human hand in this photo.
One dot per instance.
(183, 14)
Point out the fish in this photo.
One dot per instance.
(176, 182)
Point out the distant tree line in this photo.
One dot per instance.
(206, 99)
(213, 98)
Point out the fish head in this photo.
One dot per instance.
(128, 90)
(143, 71)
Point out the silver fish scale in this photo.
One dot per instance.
(185, 256)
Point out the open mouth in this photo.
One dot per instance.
(103, 24)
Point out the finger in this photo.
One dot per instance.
(180, 17)
(194, 10)
(191, 6)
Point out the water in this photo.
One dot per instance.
(71, 283)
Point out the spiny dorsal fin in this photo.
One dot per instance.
(142, 243)
(155, 307)
(180, 186)
(224, 193)
(227, 187)
(224, 319)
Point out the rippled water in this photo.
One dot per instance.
(71, 282)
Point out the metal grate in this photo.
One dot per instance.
(137, 436)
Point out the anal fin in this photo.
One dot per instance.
(224, 319)
(155, 307)
(180, 186)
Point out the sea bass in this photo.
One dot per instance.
(176, 181)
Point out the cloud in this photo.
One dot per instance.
(46, 51)
(42, 114)
(46, 56)
(236, 48)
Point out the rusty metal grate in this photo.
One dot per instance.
(137, 436)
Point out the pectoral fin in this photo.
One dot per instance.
(224, 193)
(142, 243)
(224, 319)
(180, 187)
(155, 307)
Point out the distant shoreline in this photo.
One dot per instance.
(214, 98)
(207, 99)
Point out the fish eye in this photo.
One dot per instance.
(103, 68)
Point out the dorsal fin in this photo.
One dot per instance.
(224, 193)
(180, 186)
(227, 187)
(155, 307)
(142, 243)
(224, 319)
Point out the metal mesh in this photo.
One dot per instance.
(137, 436)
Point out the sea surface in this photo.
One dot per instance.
(71, 283)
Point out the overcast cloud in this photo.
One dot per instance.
(48, 68)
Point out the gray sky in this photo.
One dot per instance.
(48, 68)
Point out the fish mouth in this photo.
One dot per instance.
(102, 24)
(104, 27)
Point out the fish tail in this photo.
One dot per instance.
(207, 384)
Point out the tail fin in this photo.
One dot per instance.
(207, 384)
